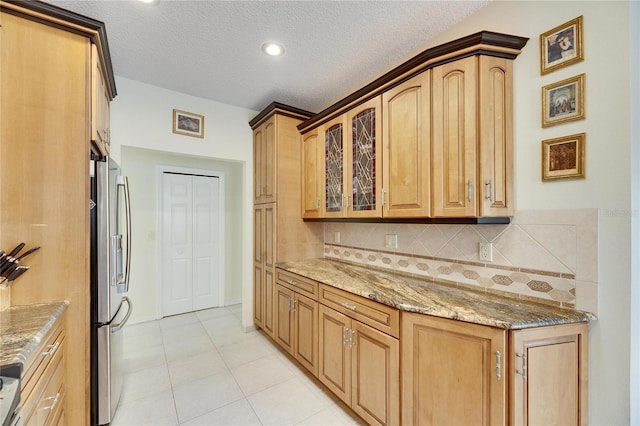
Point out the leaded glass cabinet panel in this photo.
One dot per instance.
(334, 168)
(364, 139)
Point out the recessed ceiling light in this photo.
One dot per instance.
(273, 49)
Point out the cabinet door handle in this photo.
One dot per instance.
(469, 190)
(348, 306)
(51, 407)
(352, 342)
(342, 202)
(294, 304)
(52, 349)
(498, 365)
(489, 185)
(345, 330)
(317, 203)
(382, 196)
(523, 372)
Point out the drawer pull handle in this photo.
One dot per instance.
(348, 306)
(52, 349)
(292, 282)
(53, 405)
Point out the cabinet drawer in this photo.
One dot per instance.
(374, 314)
(44, 363)
(45, 403)
(297, 283)
(40, 358)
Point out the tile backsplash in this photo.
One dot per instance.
(548, 255)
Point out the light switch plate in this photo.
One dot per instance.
(336, 237)
(391, 241)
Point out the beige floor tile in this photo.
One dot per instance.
(143, 383)
(286, 404)
(201, 396)
(207, 314)
(246, 351)
(144, 358)
(237, 413)
(261, 374)
(182, 332)
(196, 367)
(156, 410)
(188, 347)
(172, 321)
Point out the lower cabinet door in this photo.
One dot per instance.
(453, 372)
(375, 375)
(549, 375)
(268, 292)
(283, 331)
(334, 367)
(305, 313)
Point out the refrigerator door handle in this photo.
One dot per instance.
(123, 286)
(117, 327)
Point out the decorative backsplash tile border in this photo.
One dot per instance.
(558, 289)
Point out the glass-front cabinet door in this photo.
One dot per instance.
(363, 177)
(334, 152)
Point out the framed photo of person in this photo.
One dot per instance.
(561, 46)
(563, 101)
(563, 158)
(188, 124)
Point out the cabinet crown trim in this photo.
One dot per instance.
(484, 42)
(278, 108)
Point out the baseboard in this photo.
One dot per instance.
(232, 302)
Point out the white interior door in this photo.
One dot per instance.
(191, 233)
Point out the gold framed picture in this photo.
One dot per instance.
(561, 46)
(563, 101)
(563, 158)
(188, 124)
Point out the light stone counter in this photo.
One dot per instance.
(23, 327)
(431, 298)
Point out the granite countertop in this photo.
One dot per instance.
(23, 327)
(431, 298)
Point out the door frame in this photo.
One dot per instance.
(160, 170)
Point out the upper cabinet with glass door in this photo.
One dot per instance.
(351, 169)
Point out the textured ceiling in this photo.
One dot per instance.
(211, 49)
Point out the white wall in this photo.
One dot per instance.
(141, 117)
(607, 184)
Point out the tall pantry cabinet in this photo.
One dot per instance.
(279, 232)
(49, 57)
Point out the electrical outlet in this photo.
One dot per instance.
(486, 252)
(391, 241)
(336, 237)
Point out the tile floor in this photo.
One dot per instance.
(200, 368)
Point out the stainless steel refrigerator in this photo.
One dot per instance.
(110, 213)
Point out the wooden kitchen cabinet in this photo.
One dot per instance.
(312, 174)
(279, 232)
(264, 216)
(46, 65)
(360, 365)
(472, 138)
(453, 372)
(100, 105)
(264, 155)
(334, 182)
(446, 134)
(297, 326)
(405, 140)
(549, 380)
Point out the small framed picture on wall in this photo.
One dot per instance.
(563, 158)
(561, 46)
(563, 101)
(188, 124)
